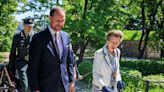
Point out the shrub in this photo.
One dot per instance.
(159, 77)
(86, 68)
(146, 67)
(132, 84)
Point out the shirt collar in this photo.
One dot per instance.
(27, 33)
(107, 51)
(52, 31)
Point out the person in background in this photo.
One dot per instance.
(51, 65)
(106, 73)
(77, 75)
(19, 54)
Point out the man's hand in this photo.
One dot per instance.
(120, 85)
(72, 87)
(106, 89)
(13, 84)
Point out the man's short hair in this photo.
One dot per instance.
(56, 9)
(116, 33)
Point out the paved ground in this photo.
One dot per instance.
(83, 87)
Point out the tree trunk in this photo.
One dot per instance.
(151, 26)
(81, 55)
(141, 51)
(162, 50)
(75, 48)
(85, 9)
(162, 27)
(57, 2)
(162, 54)
(82, 51)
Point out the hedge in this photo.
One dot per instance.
(146, 67)
(132, 84)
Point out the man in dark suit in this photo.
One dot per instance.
(51, 59)
(19, 54)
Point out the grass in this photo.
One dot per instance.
(133, 34)
(156, 90)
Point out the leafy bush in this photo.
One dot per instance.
(156, 90)
(86, 68)
(133, 84)
(159, 77)
(146, 67)
(89, 53)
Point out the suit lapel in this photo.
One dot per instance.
(64, 42)
(50, 47)
(117, 58)
(107, 57)
(50, 44)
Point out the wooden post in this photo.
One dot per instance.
(147, 86)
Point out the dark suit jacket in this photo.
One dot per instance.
(46, 70)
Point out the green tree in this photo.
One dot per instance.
(152, 19)
(7, 23)
(89, 20)
(86, 20)
(40, 10)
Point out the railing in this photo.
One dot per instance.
(147, 82)
(6, 84)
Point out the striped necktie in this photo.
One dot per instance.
(56, 43)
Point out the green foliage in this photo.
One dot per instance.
(93, 23)
(85, 68)
(159, 77)
(89, 53)
(1, 58)
(88, 21)
(156, 90)
(133, 84)
(7, 23)
(40, 10)
(131, 71)
(134, 34)
(157, 39)
(147, 67)
(154, 20)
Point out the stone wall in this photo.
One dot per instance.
(130, 49)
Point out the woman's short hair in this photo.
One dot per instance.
(116, 33)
